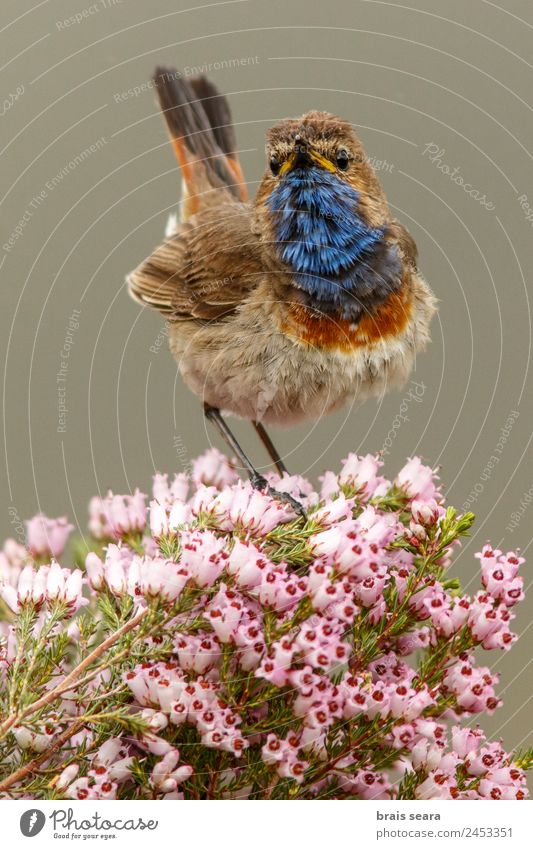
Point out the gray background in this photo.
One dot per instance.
(454, 75)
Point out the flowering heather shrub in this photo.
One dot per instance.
(215, 645)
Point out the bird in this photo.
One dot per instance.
(287, 306)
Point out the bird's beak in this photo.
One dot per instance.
(304, 155)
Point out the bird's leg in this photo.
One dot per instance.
(271, 448)
(214, 415)
(257, 480)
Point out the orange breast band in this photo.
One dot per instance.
(332, 332)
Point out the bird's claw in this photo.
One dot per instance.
(261, 483)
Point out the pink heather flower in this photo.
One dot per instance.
(47, 537)
(328, 544)
(424, 754)
(125, 514)
(278, 589)
(208, 499)
(106, 789)
(160, 488)
(95, 571)
(155, 745)
(158, 519)
(203, 556)
(224, 613)
(98, 525)
(436, 602)
(13, 557)
(25, 584)
(250, 640)
(437, 785)
(72, 593)
(330, 486)
(165, 776)
(485, 759)
(116, 516)
(256, 511)
(166, 494)
(430, 596)
(160, 578)
(499, 575)
(418, 703)
(213, 469)
(198, 653)
(155, 719)
(489, 623)
(370, 590)
(115, 569)
(120, 770)
(165, 520)
(81, 789)
(334, 511)
(377, 528)
(138, 685)
(55, 581)
(67, 776)
(109, 751)
(418, 481)
(413, 641)
(283, 754)
(39, 587)
(369, 784)
(180, 515)
(495, 791)
(276, 665)
(274, 750)
(390, 669)
(466, 741)
(473, 686)
(449, 619)
(293, 768)
(361, 473)
(8, 590)
(426, 513)
(247, 563)
(378, 701)
(295, 485)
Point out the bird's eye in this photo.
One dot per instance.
(343, 160)
(275, 165)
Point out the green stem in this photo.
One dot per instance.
(73, 676)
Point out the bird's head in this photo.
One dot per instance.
(317, 140)
(321, 151)
(320, 209)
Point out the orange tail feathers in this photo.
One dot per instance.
(201, 130)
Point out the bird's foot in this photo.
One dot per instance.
(261, 483)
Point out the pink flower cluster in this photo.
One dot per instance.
(111, 765)
(116, 516)
(311, 650)
(171, 697)
(484, 767)
(47, 584)
(47, 537)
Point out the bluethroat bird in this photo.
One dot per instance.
(287, 306)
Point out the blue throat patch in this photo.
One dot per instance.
(337, 259)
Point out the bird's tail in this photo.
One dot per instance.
(199, 121)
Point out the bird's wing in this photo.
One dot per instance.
(401, 235)
(205, 270)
